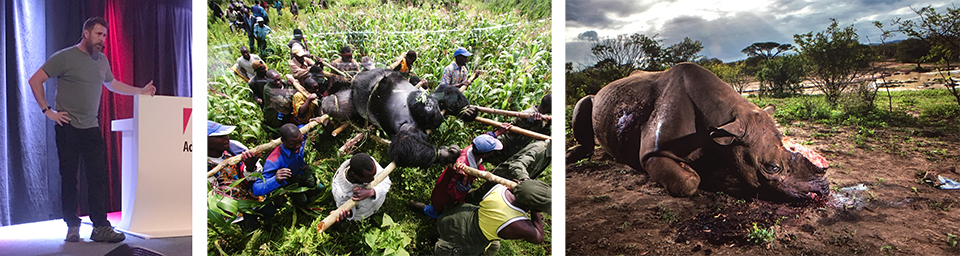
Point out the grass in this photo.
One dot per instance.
(514, 49)
(667, 214)
(925, 109)
(761, 236)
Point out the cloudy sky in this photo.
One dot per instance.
(727, 26)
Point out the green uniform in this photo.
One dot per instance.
(460, 232)
(528, 163)
(80, 81)
(278, 104)
(513, 142)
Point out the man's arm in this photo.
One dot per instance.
(270, 181)
(295, 69)
(36, 86)
(397, 62)
(296, 84)
(126, 89)
(530, 231)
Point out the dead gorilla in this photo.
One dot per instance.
(387, 100)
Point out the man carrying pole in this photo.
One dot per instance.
(350, 183)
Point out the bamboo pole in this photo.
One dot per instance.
(350, 143)
(373, 136)
(489, 177)
(335, 214)
(420, 84)
(262, 148)
(514, 129)
(507, 112)
(339, 129)
(344, 74)
(377, 139)
(469, 82)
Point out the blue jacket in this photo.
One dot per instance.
(279, 158)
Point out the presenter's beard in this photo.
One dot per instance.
(93, 49)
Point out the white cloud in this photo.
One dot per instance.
(727, 26)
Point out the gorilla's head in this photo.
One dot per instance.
(409, 147)
(450, 99)
(425, 110)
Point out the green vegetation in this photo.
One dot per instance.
(514, 48)
(667, 214)
(761, 236)
(916, 110)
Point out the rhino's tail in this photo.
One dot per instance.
(582, 124)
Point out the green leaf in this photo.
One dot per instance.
(387, 221)
(228, 205)
(402, 252)
(372, 237)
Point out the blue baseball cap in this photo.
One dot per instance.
(462, 51)
(216, 129)
(486, 143)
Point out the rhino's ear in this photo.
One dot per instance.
(770, 109)
(726, 134)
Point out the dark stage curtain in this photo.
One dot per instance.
(147, 40)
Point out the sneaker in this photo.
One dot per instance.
(106, 234)
(73, 234)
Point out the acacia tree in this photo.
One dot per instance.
(635, 50)
(767, 50)
(686, 50)
(781, 76)
(942, 32)
(835, 59)
(641, 52)
(731, 73)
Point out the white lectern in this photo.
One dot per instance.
(155, 163)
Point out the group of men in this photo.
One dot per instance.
(471, 219)
(252, 20)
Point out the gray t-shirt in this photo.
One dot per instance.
(80, 82)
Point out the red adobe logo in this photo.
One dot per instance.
(186, 118)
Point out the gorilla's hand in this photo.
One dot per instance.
(448, 155)
(468, 113)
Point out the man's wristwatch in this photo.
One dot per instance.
(47, 108)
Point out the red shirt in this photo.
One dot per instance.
(445, 191)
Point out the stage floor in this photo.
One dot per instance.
(46, 238)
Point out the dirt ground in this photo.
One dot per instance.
(615, 210)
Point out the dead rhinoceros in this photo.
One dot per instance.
(685, 122)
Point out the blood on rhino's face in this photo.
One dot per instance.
(770, 162)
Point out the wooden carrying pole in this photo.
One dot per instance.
(335, 214)
(262, 148)
(347, 147)
(469, 82)
(344, 74)
(339, 129)
(506, 112)
(514, 129)
(489, 177)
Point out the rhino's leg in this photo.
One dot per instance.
(677, 177)
(582, 124)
